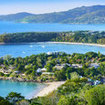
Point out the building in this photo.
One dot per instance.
(96, 82)
(95, 65)
(54, 53)
(48, 73)
(49, 53)
(61, 66)
(77, 65)
(16, 72)
(39, 70)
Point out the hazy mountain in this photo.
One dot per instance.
(14, 17)
(81, 15)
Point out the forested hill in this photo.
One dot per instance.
(14, 17)
(80, 15)
(77, 36)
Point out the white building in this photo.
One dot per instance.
(16, 72)
(97, 82)
(77, 65)
(61, 66)
(95, 65)
(47, 73)
(41, 70)
(49, 53)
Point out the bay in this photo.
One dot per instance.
(27, 89)
(23, 50)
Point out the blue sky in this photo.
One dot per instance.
(43, 6)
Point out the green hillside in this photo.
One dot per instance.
(14, 17)
(80, 15)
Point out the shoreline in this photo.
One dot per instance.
(43, 90)
(50, 87)
(20, 80)
(72, 43)
(76, 43)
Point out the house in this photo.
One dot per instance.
(11, 67)
(54, 53)
(49, 53)
(90, 83)
(93, 82)
(43, 69)
(48, 73)
(5, 71)
(67, 64)
(90, 80)
(77, 65)
(16, 72)
(96, 82)
(95, 65)
(80, 76)
(61, 66)
(39, 70)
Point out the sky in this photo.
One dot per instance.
(43, 6)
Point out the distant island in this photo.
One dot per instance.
(81, 15)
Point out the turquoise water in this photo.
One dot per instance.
(10, 27)
(35, 48)
(27, 89)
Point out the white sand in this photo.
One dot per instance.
(51, 87)
(90, 44)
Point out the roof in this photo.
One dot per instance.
(48, 73)
(41, 69)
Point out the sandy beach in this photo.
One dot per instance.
(48, 89)
(74, 43)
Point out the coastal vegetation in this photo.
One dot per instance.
(84, 75)
(81, 15)
(55, 66)
(97, 37)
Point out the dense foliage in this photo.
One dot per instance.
(57, 64)
(82, 37)
(77, 36)
(27, 37)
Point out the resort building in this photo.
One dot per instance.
(61, 66)
(95, 65)
(77, 65)
(16, 72)
(96, 82)
(47, 73)
(39, 70)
